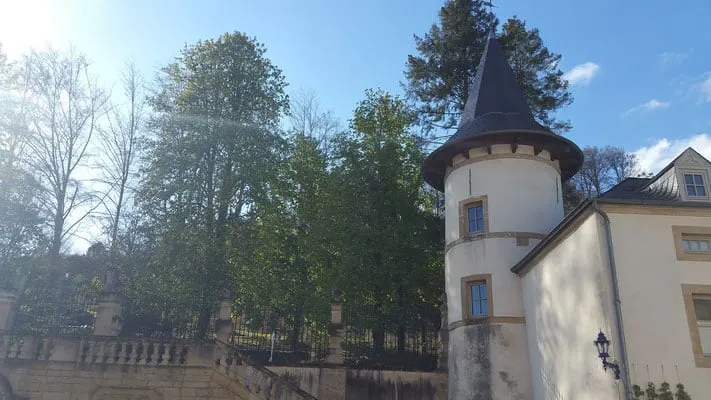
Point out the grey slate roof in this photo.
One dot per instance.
(645, 189)
(496, 112)
(663, 186)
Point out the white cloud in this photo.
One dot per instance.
(582, 74)
(651, 105)
(670, 58)
(657, 156)
(705, 88)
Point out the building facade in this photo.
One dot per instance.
(529, 291)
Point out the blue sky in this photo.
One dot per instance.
(641, 70)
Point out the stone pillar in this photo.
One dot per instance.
(108, 315)
(223, 323)
(335, 332)
(333, 376)
(8, 309)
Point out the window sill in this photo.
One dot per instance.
(487, 320)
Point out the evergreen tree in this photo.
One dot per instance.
(448, 55)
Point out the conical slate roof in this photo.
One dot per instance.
(496, 112)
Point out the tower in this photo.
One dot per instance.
(501, 174)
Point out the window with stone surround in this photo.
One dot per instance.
(473, 216)
(692, 243)
(697, 302)
(476, 297)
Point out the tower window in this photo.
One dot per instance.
(476, 297)
(480, 299)
(475, 217)
(695, 186)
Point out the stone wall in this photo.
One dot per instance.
(103, 368)
(65, 381)
(339, 383)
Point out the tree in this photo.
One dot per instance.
(216, 152)
(383, 221)
(66, 105)
(603, 168)
(119, 145)
(440, 75)
(307, 118)
(20, 222)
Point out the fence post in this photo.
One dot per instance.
(108, 310)
(335, 332)
(333, 377)
(223, 323)
(8, 309)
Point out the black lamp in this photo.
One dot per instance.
(603, 346)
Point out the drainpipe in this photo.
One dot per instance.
(618, 303)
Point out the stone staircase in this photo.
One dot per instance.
(251, 381)
(102, 367)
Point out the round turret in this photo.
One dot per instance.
(501, 174)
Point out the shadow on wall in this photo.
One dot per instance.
(375, 385)
(6, 390)
(572, 305)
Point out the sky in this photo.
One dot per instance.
(640, 71)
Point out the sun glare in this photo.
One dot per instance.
(27, 23)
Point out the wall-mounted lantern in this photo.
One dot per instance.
(603, 346)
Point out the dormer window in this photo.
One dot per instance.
(695, 185)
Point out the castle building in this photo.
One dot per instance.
(530, 290)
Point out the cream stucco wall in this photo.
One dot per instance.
(522, 193)
(488, 358)
(493, 256)
(567, 300)
(650, 278)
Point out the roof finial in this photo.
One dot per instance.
(491, 6)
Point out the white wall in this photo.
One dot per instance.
(521, 194)
(522, 197)
(493, 256)
(650, 278)
(490, 360)
(568, 300)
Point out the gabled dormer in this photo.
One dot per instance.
(686, 178)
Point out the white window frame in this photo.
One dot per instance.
(682, 182)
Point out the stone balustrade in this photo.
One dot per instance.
(106, 350)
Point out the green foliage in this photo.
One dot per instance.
(383, 226)
(216, 152)
(681, 393)
(662, 393)
(637, 392)
(651, 392)
(439, 76)
(665, 392)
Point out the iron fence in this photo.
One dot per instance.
(58, 306)
(273, 338)
(376, 341)
(143, 318)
